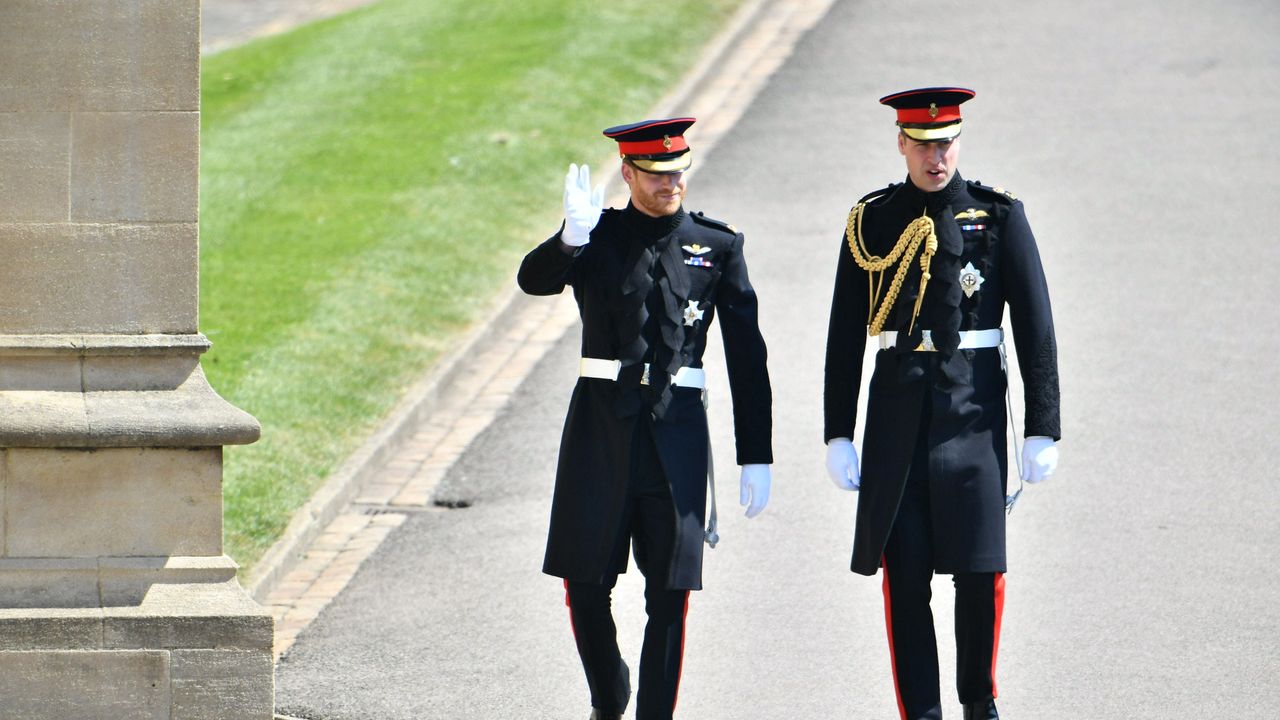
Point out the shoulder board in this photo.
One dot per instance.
(878, 194)
(711, 222)
(997, 193)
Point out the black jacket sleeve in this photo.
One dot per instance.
(846, 343)
(745, 359)
(1027, 293)
(547, 268)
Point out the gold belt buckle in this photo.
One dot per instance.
(926, 342)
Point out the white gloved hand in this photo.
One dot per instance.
(582, 206)
(755, 488)
(842, 463)
(1039, 458)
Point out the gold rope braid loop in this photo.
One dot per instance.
(921, 230)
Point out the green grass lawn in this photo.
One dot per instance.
(368, 185)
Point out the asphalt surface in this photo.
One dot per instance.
(1143, 580)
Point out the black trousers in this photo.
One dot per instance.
(913, 647)
(649, 527)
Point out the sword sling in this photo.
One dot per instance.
(1010, 500)
(710, 536)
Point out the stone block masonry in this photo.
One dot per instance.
(116, 600)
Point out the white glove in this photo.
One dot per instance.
(1039, 458)
(582, 206)
(755, 488)
(842, 464)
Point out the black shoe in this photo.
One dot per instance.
(983, 710)
(598, 714)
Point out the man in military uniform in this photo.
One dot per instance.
(926, 269)
(633, 469)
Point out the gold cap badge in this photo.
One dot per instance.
(933, 110)
(666, 141)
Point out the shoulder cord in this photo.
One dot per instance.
(920, 230)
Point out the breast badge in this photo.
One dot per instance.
(692, 313)
(970, 280)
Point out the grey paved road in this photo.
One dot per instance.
(1143, 579)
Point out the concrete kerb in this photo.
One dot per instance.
(509, 311)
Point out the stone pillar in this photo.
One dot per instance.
(116, 600)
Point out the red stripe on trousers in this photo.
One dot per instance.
(680, 668)
(888, 624)
(995, 641)
(567, 604)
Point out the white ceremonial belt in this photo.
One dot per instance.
(689, 377)
(969, 340)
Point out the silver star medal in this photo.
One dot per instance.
(970, 280)
(692, 314)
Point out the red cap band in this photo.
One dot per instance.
(934, 114)
(654, 147)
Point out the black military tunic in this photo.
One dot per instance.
(963, 389)
(640, 285)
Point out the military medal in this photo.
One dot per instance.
(696, 251)
(970, 280)
(971, 215)
(692, 313)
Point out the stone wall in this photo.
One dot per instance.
(116, 600)
(99, 153)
